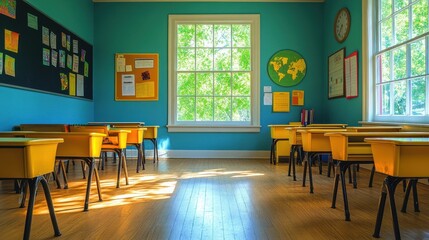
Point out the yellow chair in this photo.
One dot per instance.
(151, 134)
(116, 142)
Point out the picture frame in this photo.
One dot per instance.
(336, 86)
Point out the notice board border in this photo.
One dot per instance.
(143, 72)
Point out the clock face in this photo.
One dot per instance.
(342, 25)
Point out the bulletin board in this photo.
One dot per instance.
(38, 54)
(136, 76)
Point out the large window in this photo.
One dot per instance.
(213, 73)
(400, 61)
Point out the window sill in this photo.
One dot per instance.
(172, 128)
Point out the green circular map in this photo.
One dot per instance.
(287, 68)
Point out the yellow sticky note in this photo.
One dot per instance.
(9, 65)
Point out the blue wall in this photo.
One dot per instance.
(143, 27)
(342, 110)
(21, 106)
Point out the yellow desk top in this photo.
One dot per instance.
(375, 129)
(15, 142)
(379, 134)
(414, 141)
(340, 125)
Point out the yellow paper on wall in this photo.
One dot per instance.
(281, 101)
(72, 84)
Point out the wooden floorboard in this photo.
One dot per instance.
(211, 199)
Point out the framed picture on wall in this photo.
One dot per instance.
(336, 74)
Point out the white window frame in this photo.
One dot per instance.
(173, 124)
(369, 38)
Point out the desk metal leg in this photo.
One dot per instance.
(336, 180)
(291, 159)
(389, 186)
(32, 183)
(371, 177)
(343, 168)
(118, 177)
(305, 168)
(91, 164)
(273, 142)
(412, 185)
(50, 206)
(310, 173)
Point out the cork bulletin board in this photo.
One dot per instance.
(136, 76)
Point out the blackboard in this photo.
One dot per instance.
(40, 41)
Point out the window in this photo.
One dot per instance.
(400, 61)
(213, 73)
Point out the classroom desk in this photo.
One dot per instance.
(328, 125)
(80, 146)
(29, 159)
(399, 159)
(135, 138)
(350, 148)
(295, 142)
(279, 133)
(314, 143)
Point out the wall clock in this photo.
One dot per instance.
(342, 25)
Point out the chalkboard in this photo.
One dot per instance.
(39, 54)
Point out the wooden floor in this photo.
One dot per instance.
(211, 199)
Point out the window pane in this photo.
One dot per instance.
(401, 26)
(222, 110)
(185, 59)
(204, 109)
(384, 61)
(204, 84)
(222, 84)
(185, 84)
(420, 17)
(418, 59)
(386, 34)
(222, 34)
(399, 63)
(383, 94)
(204, 35)
(241, 84)
(400, 94)
(186, 36)
(386, 8)
(418, 96)
(204, 59)
(400, 4)
(222, 61)
(241, 35)
(241, 59)
(185, 109)
(241, 109)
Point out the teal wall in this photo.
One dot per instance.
(22, 106)
(342, 110)
(143, 27)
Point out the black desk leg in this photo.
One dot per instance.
(336, 180)
(389, 186)
(305, 168)
(310, 173)
(291, 159)
(32, 183)
(371, 177)
(88, 184)
(343, 168)
(273, 143)
(412, 185)
(50, 206)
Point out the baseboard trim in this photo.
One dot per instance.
(203, 154)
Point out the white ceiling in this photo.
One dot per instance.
(302, 1)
